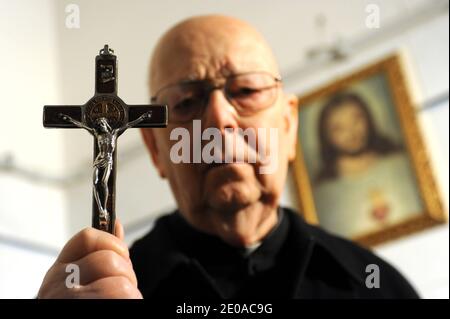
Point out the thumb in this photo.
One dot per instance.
(118, 230)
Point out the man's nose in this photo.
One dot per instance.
(219, 112)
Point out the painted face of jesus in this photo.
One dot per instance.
(347, 128)
(233, 201)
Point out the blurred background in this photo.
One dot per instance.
(47, 52)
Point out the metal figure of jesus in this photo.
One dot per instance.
(106, 139)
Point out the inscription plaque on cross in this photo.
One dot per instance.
(105, 116)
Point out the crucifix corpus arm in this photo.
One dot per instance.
(133, 123)
(69, 119)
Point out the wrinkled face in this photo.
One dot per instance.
(347, 129)
(234, 201)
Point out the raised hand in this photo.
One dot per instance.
(104, 266)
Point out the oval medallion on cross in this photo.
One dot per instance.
(109, 107)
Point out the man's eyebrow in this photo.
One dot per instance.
(191, 80)
(188, 79)
(193, 75)
(184, 80)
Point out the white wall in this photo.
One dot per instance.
(29, 65)
(29, 211)
(61, 71)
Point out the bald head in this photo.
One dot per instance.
(209, 47)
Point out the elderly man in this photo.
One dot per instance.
(229, 237)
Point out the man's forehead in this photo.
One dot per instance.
(196, 67)
(207, 50)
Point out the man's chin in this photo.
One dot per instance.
(229, 188)
(232, 196)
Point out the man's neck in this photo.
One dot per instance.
(249, 249)
(244, 228)
(259, 222)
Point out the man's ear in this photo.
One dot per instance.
(291, 120)
(149, 140)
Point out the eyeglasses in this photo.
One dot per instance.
(248, 93)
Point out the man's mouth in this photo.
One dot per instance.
(205, 168)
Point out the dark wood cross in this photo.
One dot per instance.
(106, 117)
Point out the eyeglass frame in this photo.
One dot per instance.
(213, 87)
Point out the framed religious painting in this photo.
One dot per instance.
(361, 168)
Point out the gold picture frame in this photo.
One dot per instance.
(431, 213)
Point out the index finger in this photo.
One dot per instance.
(90, 240)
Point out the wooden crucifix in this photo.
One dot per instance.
(105, 116)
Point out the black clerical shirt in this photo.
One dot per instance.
(295, 260)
